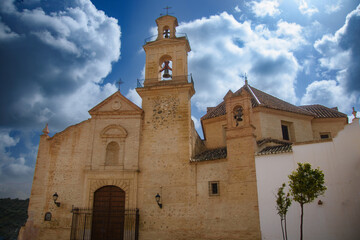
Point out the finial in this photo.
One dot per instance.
(46, 130)
(119, 83)
(354, 112)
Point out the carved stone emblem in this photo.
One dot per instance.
(116, 105)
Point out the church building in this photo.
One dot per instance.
(144, 173)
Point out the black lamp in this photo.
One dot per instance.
(55, 197)
(158, 200)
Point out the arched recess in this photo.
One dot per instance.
(108, 213)
(112, 154)
(113, 138)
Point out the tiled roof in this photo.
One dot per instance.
(275, 149)
(217, 111)
(271, 140)
(269, 101)
(323, 112)
(213, 154)
(259, 98)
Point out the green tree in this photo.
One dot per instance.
(306, 184)
(283, 203)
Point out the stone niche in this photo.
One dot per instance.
(113, 140)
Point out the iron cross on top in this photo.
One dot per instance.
(167, 9)
(119, 83)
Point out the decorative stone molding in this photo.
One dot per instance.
(116, 105)
(113, 131)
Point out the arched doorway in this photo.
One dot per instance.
(108, 214)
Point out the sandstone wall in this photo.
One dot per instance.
(72, 164)
(270, 125)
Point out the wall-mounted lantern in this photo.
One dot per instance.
(158, 200)
(55, 197)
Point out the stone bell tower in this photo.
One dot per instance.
(241, 147)
(166, 57)
(165, 147)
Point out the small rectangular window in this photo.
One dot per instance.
(214, 188)
(325, 135)
(285, 132)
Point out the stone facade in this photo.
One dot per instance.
(154, 150)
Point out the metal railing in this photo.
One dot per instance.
(82, 224)
(154, 37)
(140, 82)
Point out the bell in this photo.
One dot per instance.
(166, 73)
(167, 33)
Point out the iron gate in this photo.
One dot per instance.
(82, 220)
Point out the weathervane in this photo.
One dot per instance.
(119, 83)
(245, 78)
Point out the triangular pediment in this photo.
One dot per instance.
(116, 104)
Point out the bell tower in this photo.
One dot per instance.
(166, 57)
(165, 149)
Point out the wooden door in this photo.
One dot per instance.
(108, 214)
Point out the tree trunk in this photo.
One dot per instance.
(285, 228)
(301, 223)
(282, 229)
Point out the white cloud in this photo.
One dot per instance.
(237, 9)
(265, 8)
(76, 105)
(306, 65)
(6, 33)
(7, 6)
(196, 123)
(339, 54)
(332, 8)
(15, 174)
(133, 96)
(6, 140)
(330, 94)
(60, 59)
(305, 9)
(223, 49)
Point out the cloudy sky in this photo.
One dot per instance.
(58, 59)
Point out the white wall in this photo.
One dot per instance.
(339, 216)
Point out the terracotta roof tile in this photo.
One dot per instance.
(271, 140)
(323, 112)
(213, 154)
(217, 111)
(269, 101)
(275, 149)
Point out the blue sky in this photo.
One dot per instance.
(60, 58)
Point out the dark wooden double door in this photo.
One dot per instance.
(108, 214)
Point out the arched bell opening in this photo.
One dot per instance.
(166, 32)
(238, 115)
(165, 65)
